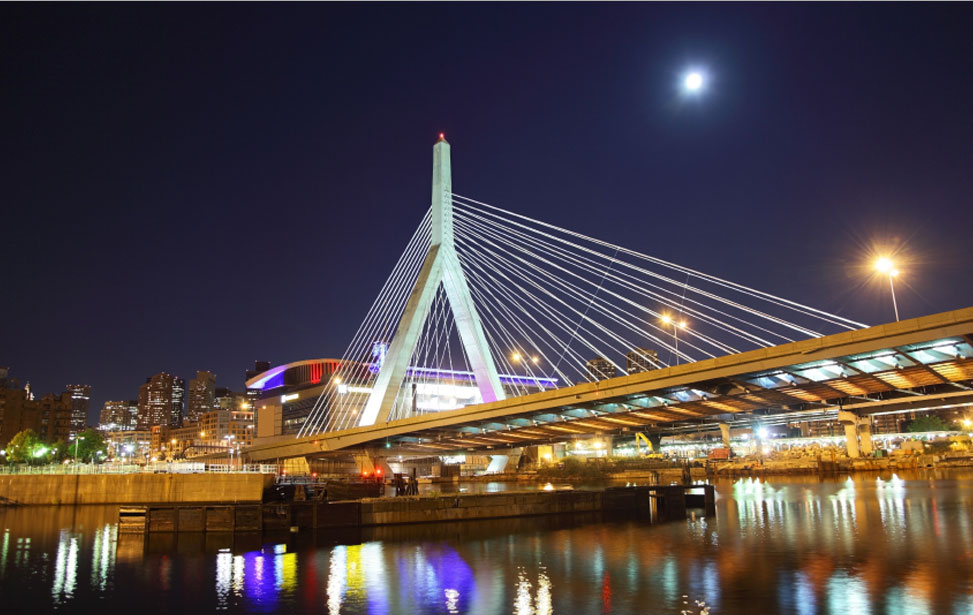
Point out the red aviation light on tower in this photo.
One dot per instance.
(442, 136)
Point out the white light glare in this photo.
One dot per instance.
(693, 81)
(885, 265)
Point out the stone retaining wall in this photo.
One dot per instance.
(70, 489)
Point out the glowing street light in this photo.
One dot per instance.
(669, 321)
(886, 266)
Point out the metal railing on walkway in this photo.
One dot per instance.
(149, 468)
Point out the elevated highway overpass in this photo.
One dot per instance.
(921, 363)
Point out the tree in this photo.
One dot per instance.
(61, 451)
(92, 442)
(927, 423)
(27, 447)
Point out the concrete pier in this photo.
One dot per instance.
(658, 502)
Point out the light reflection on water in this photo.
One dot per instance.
(894, 544)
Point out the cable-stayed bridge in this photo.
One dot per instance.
(495, 330)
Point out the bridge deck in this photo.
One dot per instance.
(912, 364)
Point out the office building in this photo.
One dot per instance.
(641, 360)
(161, 401)
(253, 394)
(118, 416)
(600, 368)
(80, 396)
(202, 394)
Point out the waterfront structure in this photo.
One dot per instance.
(600, 368)
(49, 416)
(641, 360)
(80, 396)
(160, 401)
(202, 392)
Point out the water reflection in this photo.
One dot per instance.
(894, 544)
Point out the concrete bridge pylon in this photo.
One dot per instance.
(440, 267)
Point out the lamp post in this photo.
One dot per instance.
(676, 325)
(77, 441)
(229, 449)
(886, 266)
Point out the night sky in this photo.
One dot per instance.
(198, 186)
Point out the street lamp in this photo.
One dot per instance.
(886, 266)
(77, 441)
(676, 325)
(229, 449)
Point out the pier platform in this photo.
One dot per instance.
(659, 502)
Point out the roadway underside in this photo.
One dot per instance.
(916, 364)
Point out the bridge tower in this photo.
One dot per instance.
(441, 266)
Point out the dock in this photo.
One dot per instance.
(667, 502)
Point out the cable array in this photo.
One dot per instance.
(557, 307)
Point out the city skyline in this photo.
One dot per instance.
(222, 192)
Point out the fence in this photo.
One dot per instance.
(149, 468)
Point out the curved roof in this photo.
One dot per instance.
(260, 380)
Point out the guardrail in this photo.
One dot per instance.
(149, 468)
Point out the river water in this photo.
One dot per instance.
(898, 544)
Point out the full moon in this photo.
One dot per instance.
(693, 82)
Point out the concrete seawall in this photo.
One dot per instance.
(482, 506)
(70, 489)
(658, 502)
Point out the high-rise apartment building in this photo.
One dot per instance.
(80, 396)
(641, 360)
(202, 394)
(600, 368)
(161, 401)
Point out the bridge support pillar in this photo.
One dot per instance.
(368, 462)
(498, 464)
(725, 434)
(865, 434)
(850, 422)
